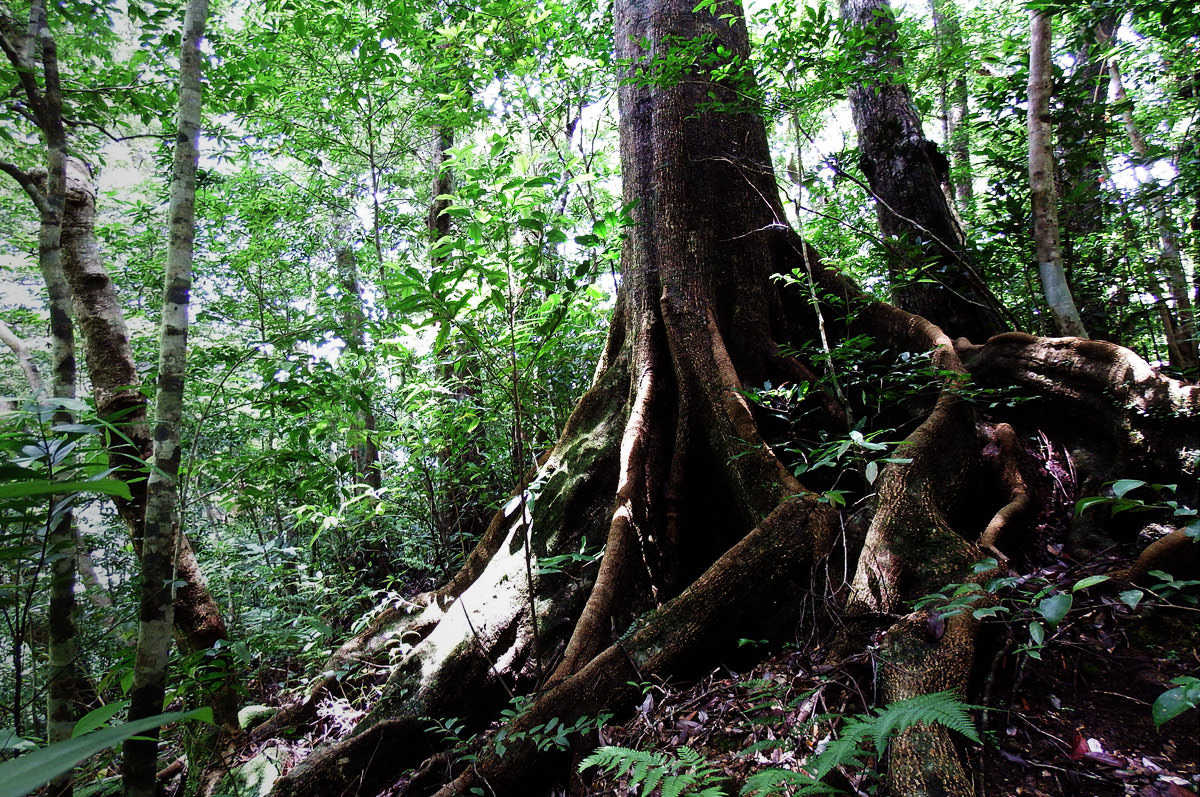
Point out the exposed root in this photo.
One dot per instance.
(1176, 553)
(750, 585)
(1013, 518)
(366, 763)
(588, 638)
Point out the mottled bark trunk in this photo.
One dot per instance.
(1064, 316)
(48, 193)
(955, 99)
(156, 613)
(931, 273)
(116, 391)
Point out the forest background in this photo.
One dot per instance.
(408, 229)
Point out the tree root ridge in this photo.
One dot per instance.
(728, 599)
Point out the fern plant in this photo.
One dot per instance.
(878, 726)
(687, 774)
(684, 774)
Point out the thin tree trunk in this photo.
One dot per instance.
(120, 402)
(20, 350)
(156, 614)
(1187, 357)
(369, 556)
(930, 271)
(49, 195)
(955, 99)
(1063, 314)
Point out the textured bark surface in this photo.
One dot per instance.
(48, 191)
(931, 272)
(116, 390)
(1064, 316)
(156, 613)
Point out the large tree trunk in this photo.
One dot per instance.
(665, 468)
(931, 271)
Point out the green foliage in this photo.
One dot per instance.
(870, 733)
(1173, 702)
(1121, 501)
(683, 774)
(686, 773)
(38, 767)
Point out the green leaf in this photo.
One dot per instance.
(1173, 702)
(1131, 597)
(97, 717)
(1090, 581)
(37, 487)
(1086, 503)
(1055, 607)
(1122, 486)
(38, 767)
(10, 741)
(1037, 633)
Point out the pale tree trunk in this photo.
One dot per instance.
(120, 402)
(1182, 333)
(20, 350)
(955, 100)
(156, 614)
(48, 194)
(1063, 314)
(931, 272)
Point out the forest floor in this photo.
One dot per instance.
(1069, 717)
(1077, 721)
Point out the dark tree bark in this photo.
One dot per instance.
(48, 192)
(931, 271)
(665, 466)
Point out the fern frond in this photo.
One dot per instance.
(778, 781)
(937, 708)
(676, 775)
(620, 760)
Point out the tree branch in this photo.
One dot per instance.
(27, 182)
(24, 357)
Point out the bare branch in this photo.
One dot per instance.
(24, 357)
(26, 181)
